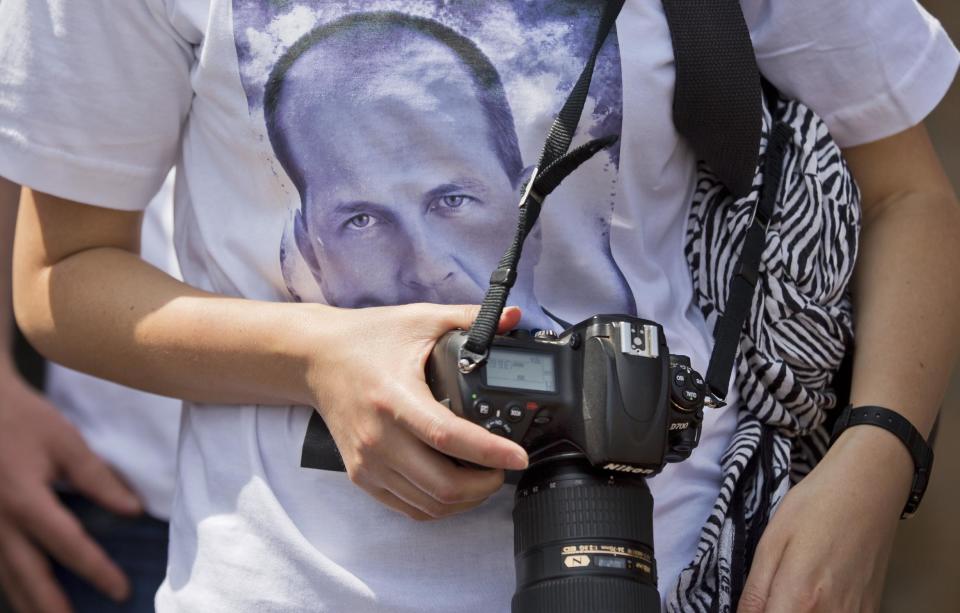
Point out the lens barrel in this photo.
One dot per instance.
(583, 541)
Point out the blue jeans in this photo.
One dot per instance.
(138, 545)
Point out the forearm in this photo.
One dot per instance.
(906, 297)
(104, 311)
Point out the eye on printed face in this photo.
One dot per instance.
(406, 198)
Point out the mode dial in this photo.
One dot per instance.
(499, 427)
(545, 335)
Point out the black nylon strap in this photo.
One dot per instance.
(319, 449)
(565, 125)
(726, 332)
(717, 97)
(554, 166)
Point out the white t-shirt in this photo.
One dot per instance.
(386, 169)
(135, 432)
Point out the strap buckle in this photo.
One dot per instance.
(714, 401)
(762, 215)
(529, 192)
(504, 277)
(921, 477)
(468, 361)
(748, 273)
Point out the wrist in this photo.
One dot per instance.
(315, 331)
(880, 454)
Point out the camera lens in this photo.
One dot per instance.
(583, 541)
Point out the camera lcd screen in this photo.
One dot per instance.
(525, 370)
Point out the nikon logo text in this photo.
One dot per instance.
(576, 561)
(626, 468)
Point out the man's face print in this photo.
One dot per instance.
(402, 132)
(395, 207)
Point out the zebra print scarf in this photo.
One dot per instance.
(795, 338)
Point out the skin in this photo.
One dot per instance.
(161, 334)
(37, 447)
(388, 221)
(827, 547)
(77, 276)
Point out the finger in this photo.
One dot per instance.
(62, 536)
(438, 477)
(509, 319)
(402, 488)
(26, 577)
(12, 594)
(766, 561)
(389, 500)
(439, 428)
(93, 478)
(463, 316)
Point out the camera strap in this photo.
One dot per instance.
(718, 109)
(556, 163)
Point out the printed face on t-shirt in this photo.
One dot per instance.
(406, 160)
(401, 133)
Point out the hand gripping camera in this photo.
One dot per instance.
(597, 408)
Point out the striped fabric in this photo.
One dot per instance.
(793, 343)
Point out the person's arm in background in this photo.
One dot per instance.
(826, 549)
(37, 447)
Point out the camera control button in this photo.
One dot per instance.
(483, 408)
(691, 396)
(680, 377)
(542, 419)
(499, 427)
(698, 382)
(514, 412)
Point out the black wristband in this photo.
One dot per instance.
(892, 421)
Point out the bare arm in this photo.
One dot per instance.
(37, 447)
(827, 547)
(906, 290)
(85, 298)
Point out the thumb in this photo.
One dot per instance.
(93, 478)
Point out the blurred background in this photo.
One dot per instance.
(924, 575)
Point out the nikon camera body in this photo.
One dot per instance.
(598, 408)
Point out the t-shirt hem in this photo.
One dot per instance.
(71, 177)
(906, 104)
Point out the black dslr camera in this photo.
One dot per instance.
(597, 408)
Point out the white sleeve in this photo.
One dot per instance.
(93, 95)
(870, 68)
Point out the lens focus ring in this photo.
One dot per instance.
(596, 511)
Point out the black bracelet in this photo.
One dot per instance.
(892, 421)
